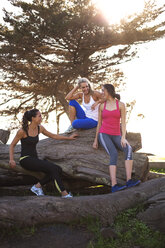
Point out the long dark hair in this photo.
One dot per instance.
(85, 80)
(111, 91)
(28, 117)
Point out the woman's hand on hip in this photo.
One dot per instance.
(124, 142)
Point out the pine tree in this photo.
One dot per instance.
(51, 43)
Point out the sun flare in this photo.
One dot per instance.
(115, 10)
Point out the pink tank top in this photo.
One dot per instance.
(111, 120)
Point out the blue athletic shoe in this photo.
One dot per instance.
(118, 187)
(131, 183)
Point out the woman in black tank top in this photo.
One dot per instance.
(29, 137)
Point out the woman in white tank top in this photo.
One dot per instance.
(85, 117)
(90, 113)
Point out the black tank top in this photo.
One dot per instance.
(28, 145)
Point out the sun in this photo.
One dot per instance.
(115, 10)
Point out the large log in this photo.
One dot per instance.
(79, 160)
(154, 215)
(45, 210)
(157, 165)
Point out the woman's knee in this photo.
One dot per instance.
(52, 168)
(56, 169)
(128, 153)
(72, 103)
(76, 123)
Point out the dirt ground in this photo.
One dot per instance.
(56, 236)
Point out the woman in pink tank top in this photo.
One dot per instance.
(111, 112)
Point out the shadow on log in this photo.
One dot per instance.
(50, 209)
(79, 160)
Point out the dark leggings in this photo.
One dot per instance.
(52, 171)
(111, 143)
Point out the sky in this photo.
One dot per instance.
(145, 79)
(145, 83)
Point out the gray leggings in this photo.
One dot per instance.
(113, 142)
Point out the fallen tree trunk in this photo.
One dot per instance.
(79, 160)
(45, 210)
(154, 215)
(157, 165)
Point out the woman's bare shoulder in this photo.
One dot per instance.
(121, 104)
(21, 133)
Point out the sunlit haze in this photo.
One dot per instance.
(115, 10)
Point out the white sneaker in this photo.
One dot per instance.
(67, 196)
(70, 129)
(37, 191)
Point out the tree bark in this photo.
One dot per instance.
(157, 165)
(154, 215)
(45, 210)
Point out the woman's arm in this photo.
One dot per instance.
(72, 96)
(18, 136)
(123, 123)
(95, 143)
(99, 98)
(57, 136)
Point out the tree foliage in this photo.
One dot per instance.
(50, 43)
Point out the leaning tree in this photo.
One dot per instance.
(48, 44)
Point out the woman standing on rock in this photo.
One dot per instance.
(108, 133)
(29, 137)
(90, 100)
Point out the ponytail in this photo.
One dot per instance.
(27, 117)
(117, 96)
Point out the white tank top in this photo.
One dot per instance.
(93, 114)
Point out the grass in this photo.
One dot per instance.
(130, 233)
(157, 170)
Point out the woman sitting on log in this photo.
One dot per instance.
(90, 100)
(29, 137)
(108, 133)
